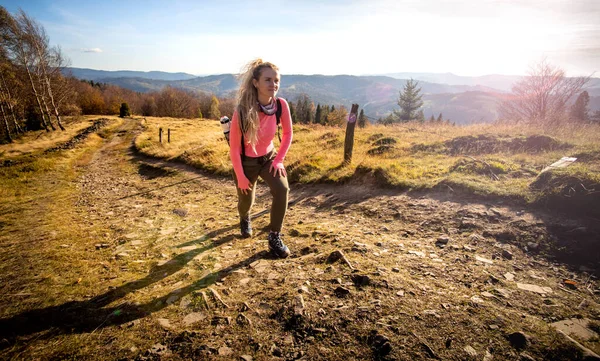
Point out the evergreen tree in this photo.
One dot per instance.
(214, 112)
(440, 118)
(318, 114)
(324, 114)
(124, 110)
(362, 120)
(579, 110)
(409, 101)
(420, 116)
(332, 108)
(432, 119)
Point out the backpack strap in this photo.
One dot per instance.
(242, 133)
(278, 116)
(278, 112)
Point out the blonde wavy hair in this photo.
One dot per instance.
(247, 99)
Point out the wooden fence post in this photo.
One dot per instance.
(349, 142)
(168, 135)
(160, 135)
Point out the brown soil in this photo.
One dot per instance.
(419, 277)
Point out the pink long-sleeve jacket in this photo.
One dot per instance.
(266, 133)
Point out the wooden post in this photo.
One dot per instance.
(349, 142)
(168, 135)
(160, 135)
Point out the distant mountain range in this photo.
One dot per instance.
(463, 100)
(92, 74)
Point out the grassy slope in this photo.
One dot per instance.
(486, 160)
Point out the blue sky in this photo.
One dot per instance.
(468, 37)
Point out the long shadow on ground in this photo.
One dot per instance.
(87, 316)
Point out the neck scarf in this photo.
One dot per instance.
(270, 108)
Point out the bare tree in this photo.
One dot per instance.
(542, 95)
(20, 53)
(46, 60)
(8, 81)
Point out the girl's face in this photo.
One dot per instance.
(268, 83)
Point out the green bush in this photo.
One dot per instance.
(124, 111)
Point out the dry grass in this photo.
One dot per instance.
(408, 156)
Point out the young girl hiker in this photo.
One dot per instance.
(252, 152)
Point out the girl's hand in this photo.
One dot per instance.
(277, 168)
(244, 185)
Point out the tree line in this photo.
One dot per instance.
(30, 76)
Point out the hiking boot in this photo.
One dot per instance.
(246, 228)
(276, 245)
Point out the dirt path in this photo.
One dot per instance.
(416, 278)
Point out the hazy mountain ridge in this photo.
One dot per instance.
(376, 94)
(93, 74)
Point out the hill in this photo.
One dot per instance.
(92, 74)
(473, 101)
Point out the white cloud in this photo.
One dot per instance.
(91, 50)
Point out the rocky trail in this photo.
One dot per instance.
(374, 274)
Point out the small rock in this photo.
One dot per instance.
(225, 351)
(341, 292)
(192, 318)
(164, 323)
(180, 212)
(488, 356)
(122, 255)
(303, 289)
(506, 254)
(431, 313)
(246, 358)
(400, 293)
(172, 299)
(509, 276)
(361, 280)
(470, 351)
(533, 246)
(534, 288)
(493, 327)
(442, 241)
(518, 340)
(575, 327)
(299, 305)
(159, 349)
(395, 269)
(417, 253)
(381, 345)
(484, 260)
(468, 248)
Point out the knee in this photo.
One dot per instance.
(280, 189)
